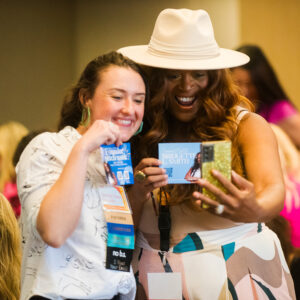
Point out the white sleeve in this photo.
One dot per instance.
(38, 169)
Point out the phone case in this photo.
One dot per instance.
(216, 155)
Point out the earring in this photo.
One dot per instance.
(85, 117)
(140, 129)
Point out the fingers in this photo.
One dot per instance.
(241, 182)
(237, 202)
(212, 205)
(114, 136)
(155, 176)
(148, 162)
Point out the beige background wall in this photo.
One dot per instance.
(45, 43)
(275, 26)
(36, 59)
(106, 25)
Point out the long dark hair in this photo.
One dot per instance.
(71, 111)
(263, 76)
(215, 120)
(196, 164)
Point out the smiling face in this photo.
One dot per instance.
(183, 89)
(119, 98)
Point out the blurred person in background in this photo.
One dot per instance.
(10, 135)
(10, 252)
(258, 82)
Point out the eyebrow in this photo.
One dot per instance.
(124, 91)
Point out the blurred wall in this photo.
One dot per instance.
(36, 59)
(102, 26)
(45, 44)
(275, 26)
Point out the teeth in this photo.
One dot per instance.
(124, 122)
(186, 99)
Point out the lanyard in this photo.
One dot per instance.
(164, 223)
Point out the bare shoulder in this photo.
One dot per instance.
(255, 129)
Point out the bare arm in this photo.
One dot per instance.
(61, 207)
(259, 197)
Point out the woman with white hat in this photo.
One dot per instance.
(185, 251)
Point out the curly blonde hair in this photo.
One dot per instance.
(10, 252)
(11, 134)
(216, 120)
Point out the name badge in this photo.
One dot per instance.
(164, 286)
(120, 229)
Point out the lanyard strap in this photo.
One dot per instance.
(164, 222)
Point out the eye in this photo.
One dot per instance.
(139, 100)
(116, 97)
(199, 75)
(173, 76)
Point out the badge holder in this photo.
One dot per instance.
(120, 228)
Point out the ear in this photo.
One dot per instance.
(83, 97)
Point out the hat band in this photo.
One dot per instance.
(184, 53)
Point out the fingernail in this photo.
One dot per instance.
(215, 172)
(201, 181)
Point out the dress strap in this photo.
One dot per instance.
(241, 112)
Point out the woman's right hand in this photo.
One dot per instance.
(99, 133)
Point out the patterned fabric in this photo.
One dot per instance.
(280, 110)
(216, 257)
(252, 267)
(76, 270)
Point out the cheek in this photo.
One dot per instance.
(203, 84)
(140, 112)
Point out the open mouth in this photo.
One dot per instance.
(185, 101)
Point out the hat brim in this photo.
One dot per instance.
(226, 59)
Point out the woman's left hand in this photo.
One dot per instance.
(238, 204)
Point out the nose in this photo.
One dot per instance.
(187, 81)
(128, 106)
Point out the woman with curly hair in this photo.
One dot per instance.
(190, 245)
(10, 252)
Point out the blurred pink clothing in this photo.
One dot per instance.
(11, 193)
(278, 111)
(291, 212)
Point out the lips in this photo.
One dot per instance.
(185, 101)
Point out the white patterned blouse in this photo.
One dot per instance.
(76, 270)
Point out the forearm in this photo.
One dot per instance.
(270, 202)
(61, 207)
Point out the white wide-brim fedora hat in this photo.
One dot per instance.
(184, 39)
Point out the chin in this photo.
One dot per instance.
(126, 136)
(185, 119)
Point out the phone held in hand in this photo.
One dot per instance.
(217, 156)
(185, 163)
